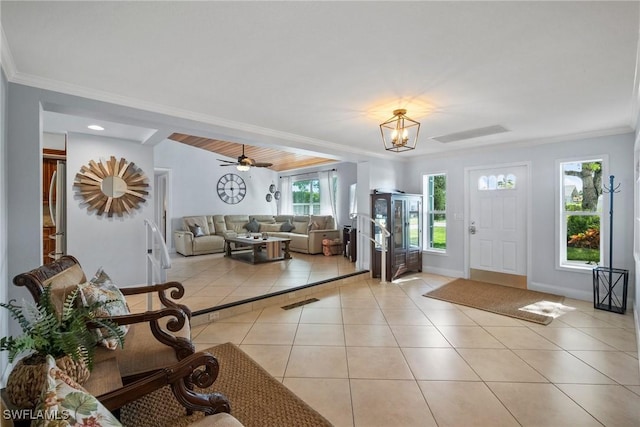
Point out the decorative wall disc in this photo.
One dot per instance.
(272, 188)
(276, 195)
(111, 187)
(268, 197)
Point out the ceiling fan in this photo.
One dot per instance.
(244, 162)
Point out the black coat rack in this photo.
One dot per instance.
(610, 284)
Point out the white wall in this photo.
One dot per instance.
(545, 275)
(118, 243)
(194, 176)
(4, 274)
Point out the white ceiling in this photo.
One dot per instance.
(323, 75)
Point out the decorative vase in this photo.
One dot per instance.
(27, 379)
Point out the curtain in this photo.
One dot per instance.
(327, 193)
(285, 207)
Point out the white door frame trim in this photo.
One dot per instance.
(467, 243)
(168, 235)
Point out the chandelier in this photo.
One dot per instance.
(400, 133)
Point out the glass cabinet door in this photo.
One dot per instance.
(398, 224)
(381, 209)
(414, 224)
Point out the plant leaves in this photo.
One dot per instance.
(80, 403)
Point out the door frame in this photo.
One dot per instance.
(467, 210)
(166, 174)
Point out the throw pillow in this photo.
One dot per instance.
(286, 226)
(253, 226)
(269, 228)
(196, 230)
(321, 220)
(65, 403)
(313, 226)
(101, 289)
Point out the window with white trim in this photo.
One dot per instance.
(580, 213)
(435, 194)
(306, 197)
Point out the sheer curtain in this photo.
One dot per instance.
(285, 207)
(327, 193)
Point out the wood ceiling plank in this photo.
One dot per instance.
(282, 160)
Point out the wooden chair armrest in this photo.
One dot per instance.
(200, 369)
(182, 346)
(177, 292)
(177, 321)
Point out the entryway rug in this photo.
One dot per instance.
(533, 306)
(257, 398)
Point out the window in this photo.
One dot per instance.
(306, 197)
(581, 213)
(497, 183)
(436, 212)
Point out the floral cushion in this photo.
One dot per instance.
(65, 403)
(101, 289)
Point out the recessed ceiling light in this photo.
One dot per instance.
(95, 127)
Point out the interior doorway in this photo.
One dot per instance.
(497, 224)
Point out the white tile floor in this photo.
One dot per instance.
(369, 355)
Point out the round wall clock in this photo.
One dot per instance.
(231, 188)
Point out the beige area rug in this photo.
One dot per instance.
(257, 398)
(533, 306)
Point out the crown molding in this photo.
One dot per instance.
(125, 101)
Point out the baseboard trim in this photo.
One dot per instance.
(443, 271)
(567, 292)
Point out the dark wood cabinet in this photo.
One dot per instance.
(401, 215)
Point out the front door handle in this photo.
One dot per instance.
(472, 228)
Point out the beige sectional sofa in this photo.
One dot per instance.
(205, 234)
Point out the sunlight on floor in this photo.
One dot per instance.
(548, 308)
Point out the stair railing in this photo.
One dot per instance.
(362, 221)
(158, 261)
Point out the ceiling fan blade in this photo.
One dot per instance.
(232, 164)
(226, 161)
(262, 165)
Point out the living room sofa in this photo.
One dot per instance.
(205, 234)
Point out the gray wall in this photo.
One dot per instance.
(24, 185)
(4, 177)
(545, 276)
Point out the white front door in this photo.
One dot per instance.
(498, 222)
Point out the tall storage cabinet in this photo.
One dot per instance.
(401, 214)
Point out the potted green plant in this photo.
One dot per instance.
(69, 336)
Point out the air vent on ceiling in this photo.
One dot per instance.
(471, 133)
